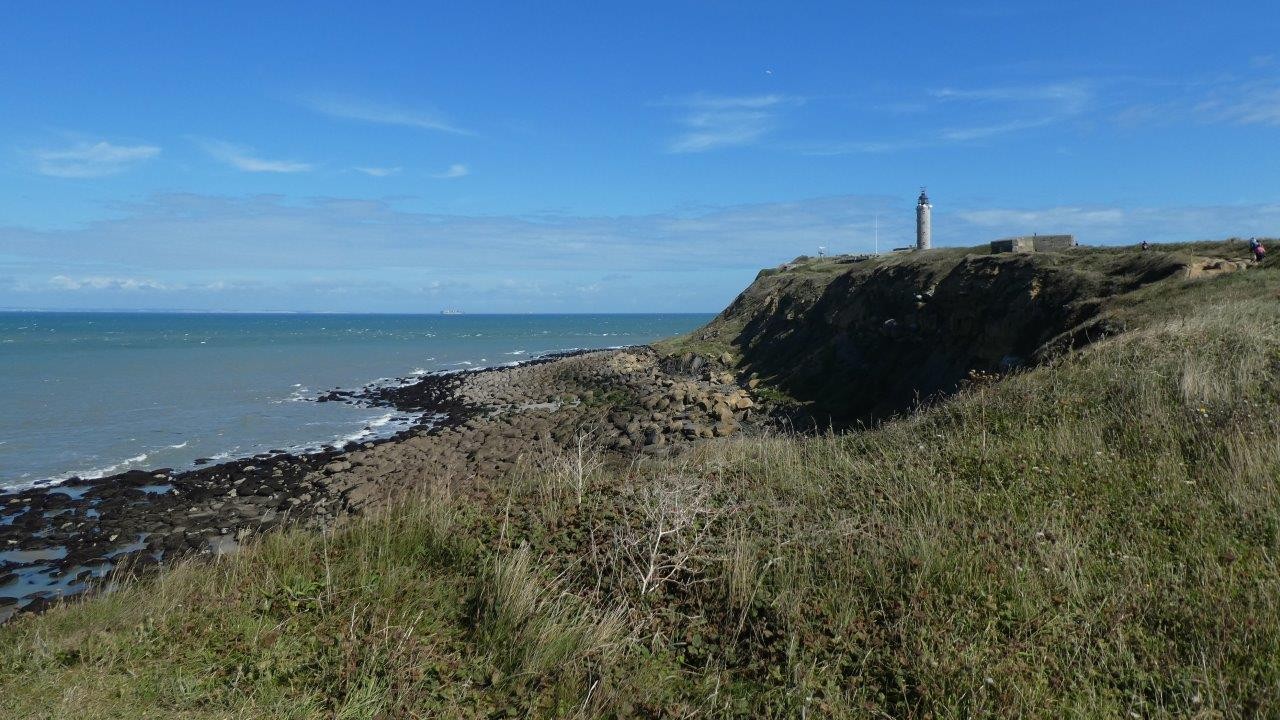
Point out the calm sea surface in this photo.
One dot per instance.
(91, 394)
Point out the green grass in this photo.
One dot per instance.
(1093, 538)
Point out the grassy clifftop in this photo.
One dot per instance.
(1094, 536)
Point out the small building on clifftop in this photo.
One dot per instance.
(1034, 243)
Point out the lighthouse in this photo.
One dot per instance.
(923, 222)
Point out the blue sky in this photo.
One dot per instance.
(555, 156)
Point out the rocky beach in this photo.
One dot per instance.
(81, 535)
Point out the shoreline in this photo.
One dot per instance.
(60, 540)
(370, 395)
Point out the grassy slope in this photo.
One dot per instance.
(1095, 538)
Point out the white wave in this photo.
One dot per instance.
(101, 472)
(382, 426)
(516, 352)
(226, 454)
(180, 445)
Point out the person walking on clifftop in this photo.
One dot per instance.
(1258, 249)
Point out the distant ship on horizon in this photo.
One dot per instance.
(451, 312)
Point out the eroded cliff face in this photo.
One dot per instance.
(863, 340)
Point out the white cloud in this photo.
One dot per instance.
(713, 122)
(381, 114)
(455, 170)
(378, 171)
(86, 160)
(243, 158)
(98, 282)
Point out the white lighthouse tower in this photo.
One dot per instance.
(924, 220)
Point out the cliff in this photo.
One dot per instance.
(860, 339)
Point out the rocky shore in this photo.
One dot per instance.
(80, 535)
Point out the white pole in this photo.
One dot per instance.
(877, 234)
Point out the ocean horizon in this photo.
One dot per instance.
(95, 392)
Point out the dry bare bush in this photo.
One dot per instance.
(665, 533)
(556, 476)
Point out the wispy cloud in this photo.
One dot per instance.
(1228, 100)
(378, 171)
(992, 112)
(1044, 219)
(1065, 98)
(382, 114)
(98, 282)
(857, 147)
(87, 160)
(981, 132)
(243, 158)
(1124, 224)
(713, 122)
(455, 170)
(1248, 103)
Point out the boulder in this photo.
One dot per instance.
(724, 428)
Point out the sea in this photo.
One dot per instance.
(90, 394)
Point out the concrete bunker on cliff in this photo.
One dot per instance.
(1034, 243)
